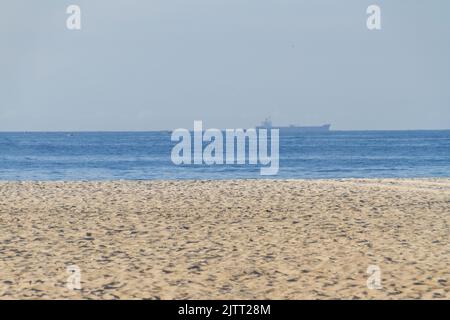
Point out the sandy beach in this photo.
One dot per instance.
(260, 239)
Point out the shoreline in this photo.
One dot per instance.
(226, 239)
(268, 178)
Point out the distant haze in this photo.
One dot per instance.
(161, 64)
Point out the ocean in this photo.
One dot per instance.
(146, 155)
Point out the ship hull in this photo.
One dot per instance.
(294, 129)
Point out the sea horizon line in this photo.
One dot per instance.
(191, 129)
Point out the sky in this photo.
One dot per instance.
(161, 64)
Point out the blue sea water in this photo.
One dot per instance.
(146, 155)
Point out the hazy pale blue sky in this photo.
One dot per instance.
(161, 64)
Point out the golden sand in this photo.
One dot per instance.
(226, 239)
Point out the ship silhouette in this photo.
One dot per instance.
(267, 124)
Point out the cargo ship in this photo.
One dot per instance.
(267, 124)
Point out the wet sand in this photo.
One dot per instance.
(226, 239)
